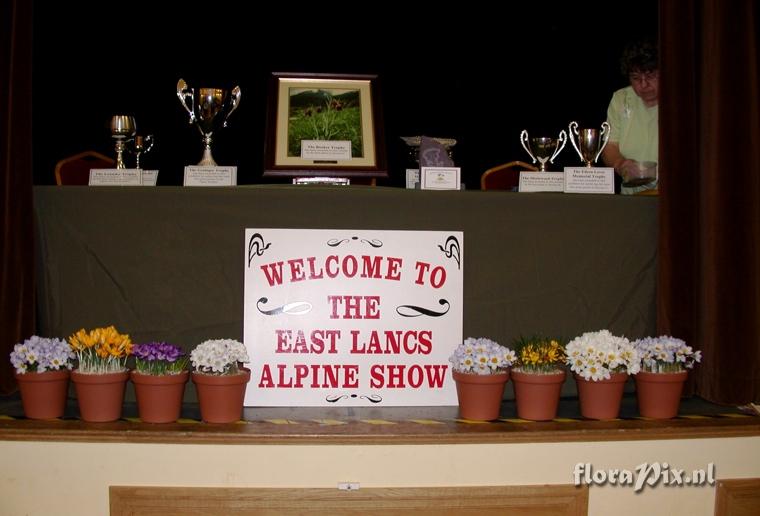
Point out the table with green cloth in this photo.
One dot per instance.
(167, 263)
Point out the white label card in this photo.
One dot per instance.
(210, 176)
(542, 181)
(599, 180)
(149, 177)
(412, 178)
(115, 177)
(326, 150)
(440, 178)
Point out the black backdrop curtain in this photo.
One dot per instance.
(709, 279)
(16, 247)
(709, 285)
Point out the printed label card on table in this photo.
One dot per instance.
(352, 317)
(599, 180)
(541, 181)
(197, 175)
(115, 177)
(440, 178)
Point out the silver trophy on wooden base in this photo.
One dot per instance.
(543, 148)
(209, 109)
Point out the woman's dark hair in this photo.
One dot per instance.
(639, 56)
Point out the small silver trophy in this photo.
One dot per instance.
(123, 128)
(591, 142)
(543, 148)
(209, 109)
(141, 145)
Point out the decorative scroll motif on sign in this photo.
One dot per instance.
(297, 308)
(256, 247)
(416, 311)
(335, 242)
(451, 249)
(334, 398)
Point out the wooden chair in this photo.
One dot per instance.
(504, 177)
(75, 170)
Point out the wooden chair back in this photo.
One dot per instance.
(75, 170)
(504, 177)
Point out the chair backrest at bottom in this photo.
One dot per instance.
(75, 170)
(504, 177)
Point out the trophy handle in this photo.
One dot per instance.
(147, 143)
(605, 138)
(235, 103)
(183, 92)
(524, 141)
(563, 141)
(573, 129)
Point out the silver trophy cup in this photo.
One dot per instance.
(141, 145)
(543, 149)
(123, 129)
(209, 109)
(591, 142)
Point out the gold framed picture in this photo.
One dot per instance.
(324, 125)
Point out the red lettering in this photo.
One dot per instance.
(315, 344)
(394, 266)
(283, 337)
(266, 377)
(331, 266)
(415, 376)
(377, 380)
(421, 269)
(296, 270)
(353, 308)
(273, 273)
(312, 273)
(437, 275)
(350, 261)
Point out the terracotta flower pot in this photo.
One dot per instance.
(159, 397)
(100, 396)
(480, 395)
(601, 399)
(43, 395)
(537, 395)
(221, 397)
(659, 394)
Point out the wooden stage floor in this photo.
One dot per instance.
(386, 425)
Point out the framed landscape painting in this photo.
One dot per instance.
(321, 125)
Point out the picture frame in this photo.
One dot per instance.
(324, 125)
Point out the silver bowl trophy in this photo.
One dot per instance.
(123, 129)
(209, 109)
(543, 148)
(591, 142)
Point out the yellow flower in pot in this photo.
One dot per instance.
(538, 375)
(101, 374)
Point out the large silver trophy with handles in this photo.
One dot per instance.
(209, 109)
(591, 142)
(543, 149)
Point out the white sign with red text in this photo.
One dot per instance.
(352, 317)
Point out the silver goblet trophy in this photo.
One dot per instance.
(209, 109)
(591, 142)
(141, 145)
(543, 149)
(123, 128)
